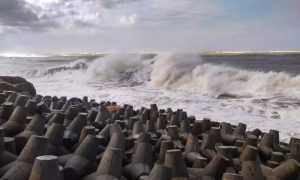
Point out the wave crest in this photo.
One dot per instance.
(188, 72)
(76, 65)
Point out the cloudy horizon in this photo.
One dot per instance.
(65, 26)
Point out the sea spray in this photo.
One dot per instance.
(133, 69)
(112, 66)
(173, 70)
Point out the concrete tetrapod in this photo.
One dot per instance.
(213, 170)
(73, 130)
(35, 127)
(174, 160)
(141, 163)
(55, 137)
(45, 168)
(21, 168)
(5, 156)
(110, 167)
(16, 122)
(6, 111)
(82, 160)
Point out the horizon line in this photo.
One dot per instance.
(273, 52)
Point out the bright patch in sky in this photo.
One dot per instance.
(129, 20)
(42, 2)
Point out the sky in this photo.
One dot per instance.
(78, 26)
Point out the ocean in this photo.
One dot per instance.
(259, 89)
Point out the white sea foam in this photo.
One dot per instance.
(168, 71)
(176, 72)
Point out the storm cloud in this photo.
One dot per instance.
(17, 13)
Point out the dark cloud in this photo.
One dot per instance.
(22, 15)
(18, 15)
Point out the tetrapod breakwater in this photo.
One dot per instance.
(55, 138)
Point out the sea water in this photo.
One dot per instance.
(259, 89)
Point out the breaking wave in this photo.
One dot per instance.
(177, 72)
(181, 72)
(129, 68)
(80, 64)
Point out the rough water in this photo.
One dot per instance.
(261, 90)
